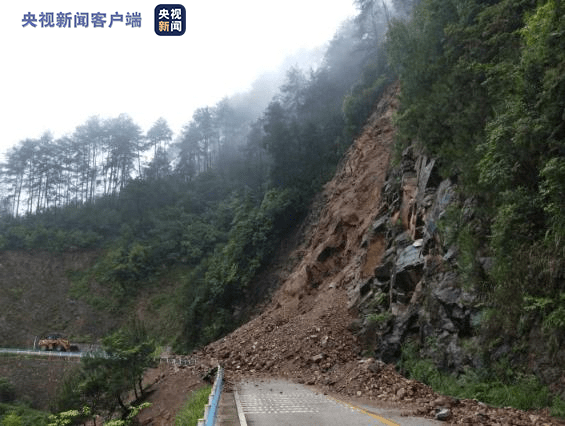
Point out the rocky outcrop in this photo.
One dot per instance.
(413, 293)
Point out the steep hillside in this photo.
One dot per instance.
(308, 322)
(372, 274)
(365, 250)
(304, 333)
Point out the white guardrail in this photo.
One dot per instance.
(177, 361)
(211, 409)
(44, 353)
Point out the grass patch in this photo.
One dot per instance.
(521, 391)
(193, 409)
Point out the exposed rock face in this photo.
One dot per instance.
(413, 292)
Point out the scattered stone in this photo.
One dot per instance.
(376, 366)
(443, 414)
(318, 358)
(444, 402)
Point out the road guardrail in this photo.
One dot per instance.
(44, 353)
(211, 409)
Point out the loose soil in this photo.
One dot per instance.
(169, 387)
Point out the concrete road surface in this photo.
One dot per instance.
(281, 403)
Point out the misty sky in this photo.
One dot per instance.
(55, 78)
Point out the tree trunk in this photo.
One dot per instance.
(125, 410)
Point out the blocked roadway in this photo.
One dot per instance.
(281, 403)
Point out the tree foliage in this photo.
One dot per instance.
(7, 390)
(105, 379)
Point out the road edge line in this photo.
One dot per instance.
(368, 413)
(240, 414)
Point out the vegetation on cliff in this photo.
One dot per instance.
(483, 91)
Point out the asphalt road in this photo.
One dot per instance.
(281, 403)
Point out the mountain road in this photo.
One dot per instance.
(282, 403)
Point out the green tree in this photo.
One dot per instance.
(107, 378)
(189, 157)
(123, 147)
(133, 351)
(70, 417)
(84, 155)
(159, 135)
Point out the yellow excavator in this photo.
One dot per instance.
(56, 342)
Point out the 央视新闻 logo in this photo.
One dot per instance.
(170, 20)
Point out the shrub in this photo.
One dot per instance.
(498, 386)
(12, 419)
(7, 390)
(193, 408)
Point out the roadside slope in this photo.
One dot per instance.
(305, 332)
(308, 332)
(35, 298)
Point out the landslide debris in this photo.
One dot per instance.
(306, 331)
(309, 332)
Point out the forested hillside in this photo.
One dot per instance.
(200, 213)
(482, 94)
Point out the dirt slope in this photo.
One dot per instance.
(35, 300)
(305, 333)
